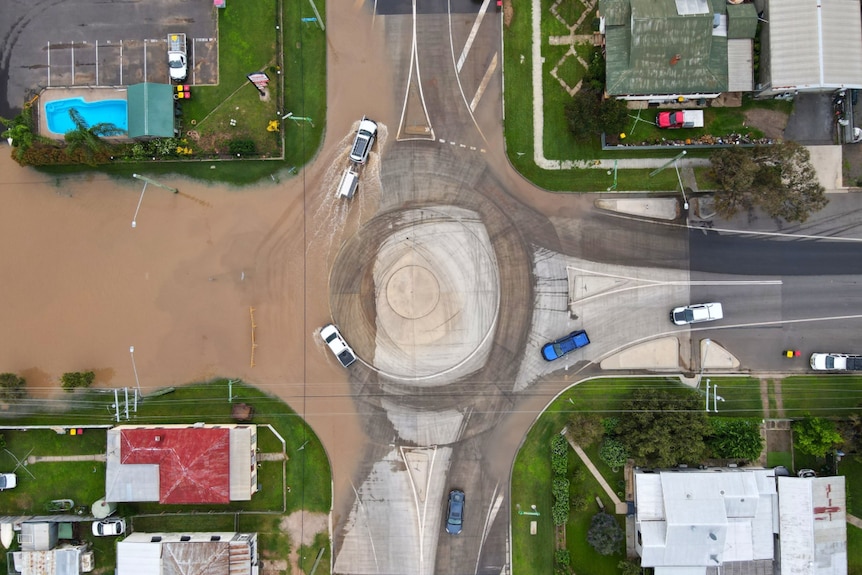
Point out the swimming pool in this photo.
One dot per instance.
(103, 111)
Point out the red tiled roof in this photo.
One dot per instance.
(194, 463)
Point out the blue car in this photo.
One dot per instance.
(557, 349)
(456, 512)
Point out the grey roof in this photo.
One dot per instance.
(740, 65)
(815, 44)
(66, 561)
(813, 525)
(658, 50)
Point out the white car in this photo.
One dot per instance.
(696, 313)
(363, 141)
(8, 481)
(337, 345)
(109, 527)
(836, 362)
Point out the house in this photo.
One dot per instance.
(181, 554)
(46, 547)
(666, 50)
(809, 46)
(721, 520)
(181, 464)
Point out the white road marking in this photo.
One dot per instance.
(414, 62)
(484, 83)
(121, 62)
(73, 63)
(457, 77)
(472, 35)
(97, 62)
(49, 64)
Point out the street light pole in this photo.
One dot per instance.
(146, 181)
(681, 187)
(134, 367)
(141, 199)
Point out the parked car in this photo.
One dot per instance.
(836, 362)
(559, 348)
(110, 527)
(337, 344)
(455, 516)
(696, 313)
(8, 481)
(806, 473)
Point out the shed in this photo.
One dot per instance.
(151, 110)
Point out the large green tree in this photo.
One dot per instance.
(12, 386)
(663, 427)
(735, 438)
(779, 179)
(815, 436)
(605, 534)
(589, 114)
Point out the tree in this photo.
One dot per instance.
(21, 130)
(582, 114)
(663, 427)
(588, 114)
(733, 438)
(12, 387)
(605, 534)
(74, 379)
(629, 567)
(779, 179)
(815, 436)
(89, 138)
(585, 428)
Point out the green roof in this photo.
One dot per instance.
(741, 21)
(658, 51)
(151, 110)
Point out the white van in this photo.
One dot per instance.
(347, 186)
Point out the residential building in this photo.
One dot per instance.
(221, 553)
(181, 464)
(739, 520)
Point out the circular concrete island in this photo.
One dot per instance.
(437, 294)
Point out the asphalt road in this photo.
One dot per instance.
(427, 436)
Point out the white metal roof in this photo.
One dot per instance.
(740, 65)
(704, 518)
(813, 524)
(815, 44)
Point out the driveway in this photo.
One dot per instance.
(811, 122)
(98, 43)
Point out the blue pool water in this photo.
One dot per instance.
(103, 111)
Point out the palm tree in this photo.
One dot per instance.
(90, 137)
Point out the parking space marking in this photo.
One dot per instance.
(49, 64)
(97, 62)
(489, 73)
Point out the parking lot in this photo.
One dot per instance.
(126, 62)
(96, 43)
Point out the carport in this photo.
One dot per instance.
(151, 110)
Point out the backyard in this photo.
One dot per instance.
(266, 513)
(532, 473)
(572, 24)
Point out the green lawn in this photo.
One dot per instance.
(850, 467)
(824, 395)
(741, 396)
(306, 472)
(558, 143)
(854, 544)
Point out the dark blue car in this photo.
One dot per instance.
(456, 512)
(557, 349)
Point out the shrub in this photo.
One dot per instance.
(560, 512)
(605, 534)
(610, 425)
(562, 557)
(559, 455)
(74, 379)
(613, 452)
(241, 147)
(561, 487)
(815, 436)
(585, 428)
(579, 502)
